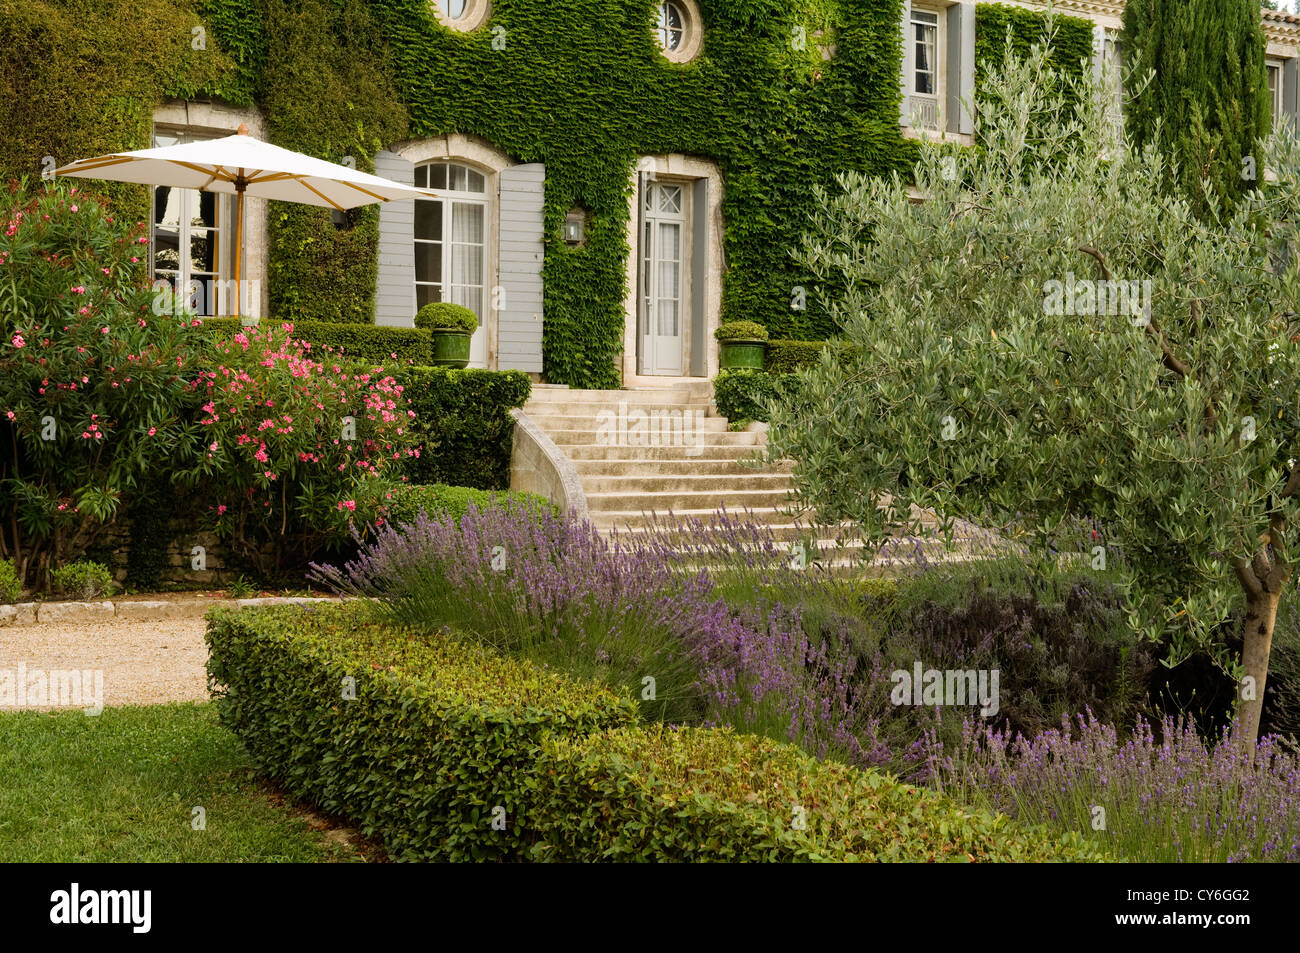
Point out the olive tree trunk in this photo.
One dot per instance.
(1261, 614)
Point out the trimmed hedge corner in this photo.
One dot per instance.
(742, 395)
(464, 418)
(440, 733)
(697, 794)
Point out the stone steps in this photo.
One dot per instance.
(691, 484)
(593, 436)
(619, 467)
(679, 487)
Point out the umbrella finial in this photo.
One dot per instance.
(242, 130)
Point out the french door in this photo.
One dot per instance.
(187, 233)
(665, 279)
(451, 247)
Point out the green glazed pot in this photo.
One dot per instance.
(450, 347)
(738, 354)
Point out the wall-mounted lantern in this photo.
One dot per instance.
(575, 227)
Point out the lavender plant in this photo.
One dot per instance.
(634, 612)
(1158, 795)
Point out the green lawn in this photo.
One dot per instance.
(122, 786)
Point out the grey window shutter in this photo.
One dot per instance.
(961, 66)
(1098, 51)
(700, 342)
(904, 109)
(1291, 91)
(522, 250)
(395, 285)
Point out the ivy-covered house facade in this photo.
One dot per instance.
(617, 177)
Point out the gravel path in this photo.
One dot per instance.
(143, 663)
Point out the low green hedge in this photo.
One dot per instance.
(742, 395)
(693, 794)
(439, 500)
(464, 417)
(365, 342)
(440, 732)
(438, 736)
(786, 356)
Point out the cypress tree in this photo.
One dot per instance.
(1208, 91)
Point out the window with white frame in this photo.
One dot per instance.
(452, 241)
(1275, 91)
(188, 238)
(922, 62)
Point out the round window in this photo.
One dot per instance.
(677, 30)
(462, 15)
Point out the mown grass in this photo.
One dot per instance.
(122, 786)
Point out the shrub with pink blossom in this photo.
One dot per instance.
(297, 444)
(95, 391)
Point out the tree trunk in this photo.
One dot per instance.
(1261, 613)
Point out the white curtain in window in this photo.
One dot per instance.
(670, 256)
(467, 252)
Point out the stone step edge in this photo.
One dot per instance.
(35, 613)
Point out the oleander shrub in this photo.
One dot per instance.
(438, 735)
(443, 315)
(390, 346)
(83, 580)
(297, 446)
(11, 587)
(463, 422)
(96, 392)
(658, 794)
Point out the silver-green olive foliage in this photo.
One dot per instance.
(995, 379)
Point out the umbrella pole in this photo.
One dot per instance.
(240, 185)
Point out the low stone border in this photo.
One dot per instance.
(80, 613)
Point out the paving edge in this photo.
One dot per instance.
(34, 613)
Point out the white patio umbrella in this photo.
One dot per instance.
(241, 165)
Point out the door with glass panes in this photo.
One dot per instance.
(189, 239)
(665, 278)
(451, 249)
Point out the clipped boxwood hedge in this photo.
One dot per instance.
(440, 732)
(741, 395)
(423, 742)
(464, 416)
(658, 794)
(365, 342)
(786, 356)
(438, 500)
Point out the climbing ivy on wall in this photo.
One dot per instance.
(579, 86)
(582, 87)
(81, 77)
(1071, 45)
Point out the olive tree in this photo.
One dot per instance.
(1042, 338)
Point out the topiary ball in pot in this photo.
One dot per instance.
(452, 327)
(744, 344)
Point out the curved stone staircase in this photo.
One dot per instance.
(662, 456)
(650, 452)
